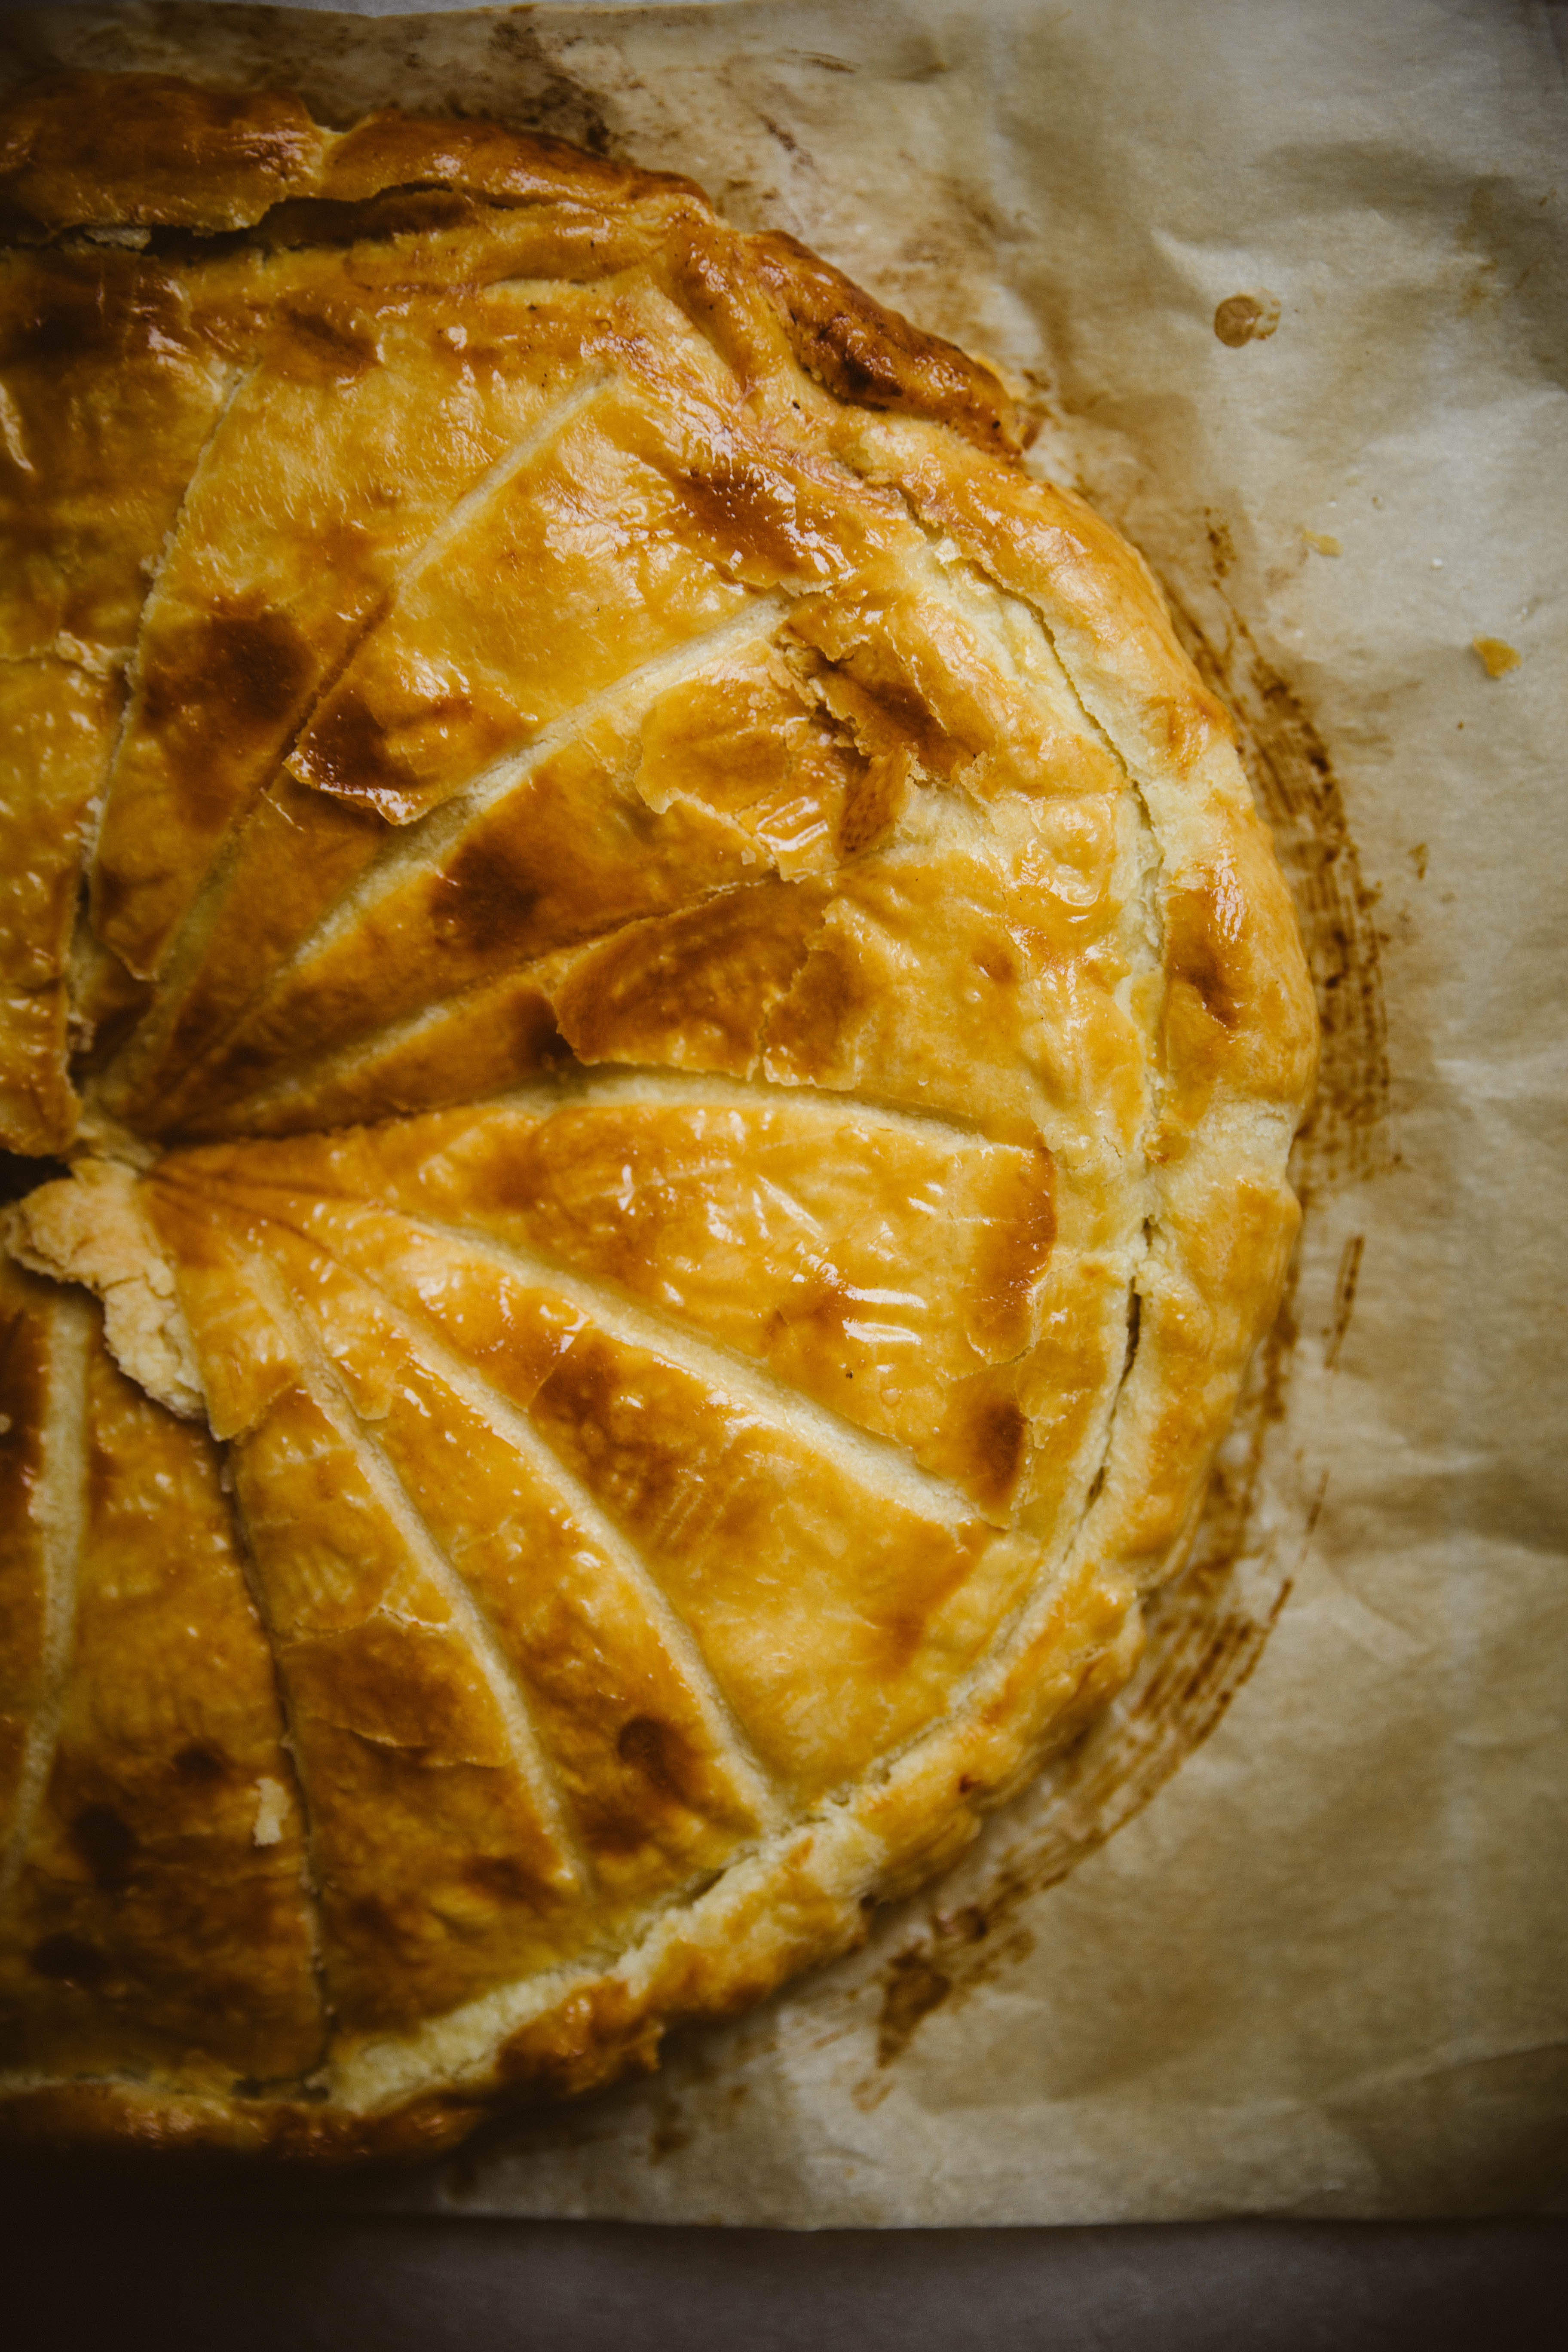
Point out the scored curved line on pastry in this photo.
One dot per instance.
(231, 381)
(182, 965)
(490, 783)
(87, 1881)
(503, 1415)
(408, 852)
(877, 1462)
(328, 1390)
(699, 1209)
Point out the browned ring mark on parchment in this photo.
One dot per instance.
(1204, 1637)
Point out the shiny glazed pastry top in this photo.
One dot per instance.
(677, 1043)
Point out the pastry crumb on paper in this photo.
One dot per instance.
(1246, 319)
(271, 1813)
(1318, 1972)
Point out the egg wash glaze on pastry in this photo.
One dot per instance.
(676, 1041)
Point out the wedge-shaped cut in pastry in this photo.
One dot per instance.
(886, 1268)
(514, 623)
(154, 1907)
(615, 1693)
(829, 1592)
(348, 440)
(293, 856)
(678, 1072)
(569, 849)
(460, 1049)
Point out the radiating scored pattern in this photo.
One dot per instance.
(151, 1913)
(679, 1024)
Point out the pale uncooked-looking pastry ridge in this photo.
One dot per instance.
(677, 1043)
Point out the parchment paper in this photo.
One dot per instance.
(1322, 1972)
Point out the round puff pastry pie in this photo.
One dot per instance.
(677, 1059)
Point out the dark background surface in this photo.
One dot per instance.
(118, 2259)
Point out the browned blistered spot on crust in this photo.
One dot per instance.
(866, 355)
(487, 899)
(1204, 929)
(660, 1753)
(348, 752)
(95, 306)
(1022, 1235)
(996, 959)
(501, 1879)
(215, 688)
(696, 987)
(319, 343)
(587, 2039)
(1239, 1003)
(220, 682)
(991, 1443)
(742, 518)
(395, 1693)
(986, 1440)
(66, 1959)
(105, 1843)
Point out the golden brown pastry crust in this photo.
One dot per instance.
(593, 698)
